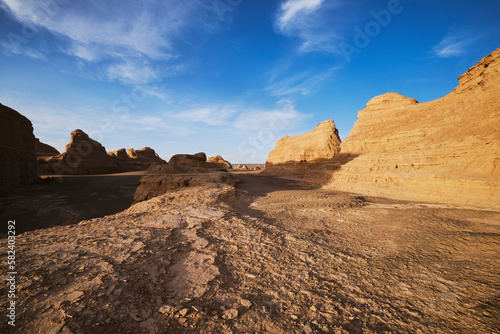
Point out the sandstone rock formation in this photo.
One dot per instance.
(17, 149)
(83, 156)
(447, 150)
(220, 161)
(240, 166)
(191, 160)
(134, 160)
(44, 150)
(183, 170)
(293, 153)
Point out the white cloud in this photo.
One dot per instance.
(215, 115)
(312, 21)
(293, 12)
(304, 83)
(281, 117)
(120, 32)
(454, 44)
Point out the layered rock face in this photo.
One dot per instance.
(134, 160)
(83, 156)
(44, 150)
(292, 153)
(17, 149)
(220, 161)
(447, 150)
(183, 170)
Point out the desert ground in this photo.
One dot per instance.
(271, 256)
(68, 199)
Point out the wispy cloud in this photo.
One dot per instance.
(284, 113)
(304, 83)
(213, 115)
(454, 44)
(239, 116)
(122, 35)
(305, 19)
(294, 12)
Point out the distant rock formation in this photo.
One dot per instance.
(291, 154)
(183, 170)
(17, 149)
(134, 160)
(198, 160)
(43, 150)
(220, 161)
(245, 167)
(257, 168)
(447, 150)
(83, 156)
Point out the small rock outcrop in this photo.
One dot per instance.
(134, 160)
(220, 161)
(447, 150)
(291, 154)
(83, 156)
(17, 149)
(44, 150)
(245, 167)
(183, 170)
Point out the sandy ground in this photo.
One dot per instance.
(68, 199)
(373, 258)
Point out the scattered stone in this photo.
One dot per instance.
(230, 314)
(245, 303)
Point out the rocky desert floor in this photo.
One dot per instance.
(271, 256)
(68, 199)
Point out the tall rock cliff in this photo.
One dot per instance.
(292, 153)
(17, 149)
(447, 150)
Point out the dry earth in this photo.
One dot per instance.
(270, 257)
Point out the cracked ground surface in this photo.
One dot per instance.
(269, 257)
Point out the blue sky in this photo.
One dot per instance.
(227, 77)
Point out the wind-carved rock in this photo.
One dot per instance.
(44, 150)
(134, 160)
(220, 161)
(292, 154)
(17, 149)
(447, 150)
(83, 156)
(183, 170)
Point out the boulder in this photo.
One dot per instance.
(447, 150)
(43, 150)
(291, 154)
(17, 149)
(83, 156)
(220, 161)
